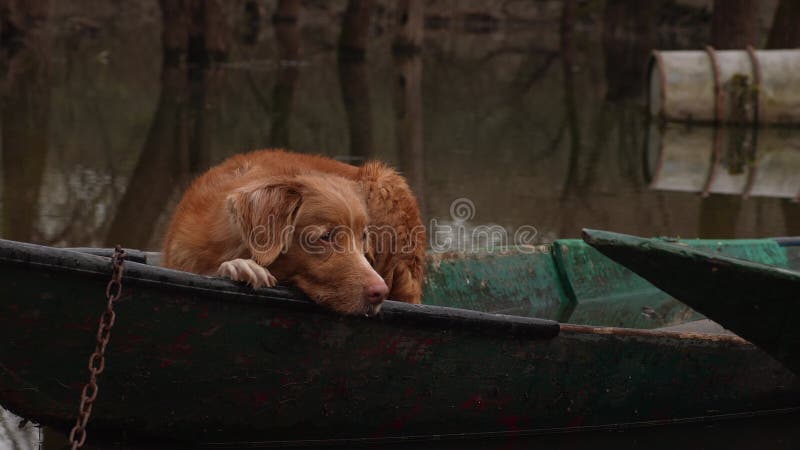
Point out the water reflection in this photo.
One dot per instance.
(728, 167)
(164, 161)
(354, 77)
(408, 105)
(738, 161)
(287, 38)
(27, 90)
(531, 142)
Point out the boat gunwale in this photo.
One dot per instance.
(99, 268)
(218, 289)
(600, 240)
(392, 312)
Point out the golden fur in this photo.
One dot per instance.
(266, 214)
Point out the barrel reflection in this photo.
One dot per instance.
(732, 160)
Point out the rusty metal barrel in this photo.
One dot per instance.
(725, 86)
(746, 161)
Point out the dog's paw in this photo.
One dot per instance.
(248, 271)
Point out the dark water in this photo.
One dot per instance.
(537, 121)
(536, 125)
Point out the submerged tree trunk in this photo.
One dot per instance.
(163, 165)
(785, 32)
(409, 115)
(353, 78)
(411, 21)
(24, 59)
(791, 215)
(354, 82)
(194, 31)
(734, 24)
(174, 31)
(287, 35)
(178, 141)
(253, 14)
(216, 32)
(287, 11)
(629, 35)
(355, 30)
(573, 125)
(408, 96)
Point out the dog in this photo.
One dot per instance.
(347, 236)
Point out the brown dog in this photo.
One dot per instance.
(346, 236)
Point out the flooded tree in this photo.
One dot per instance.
(163, 165)
(253, 13)
(355, 30)
(195, 31)
(406, 49)
(287, 36)
(629, 35)
(194, 36)
(568, 55)
(25, 90)
(25, 95)
(734, 24)
(785, 33)
(410, 27)
(353, 76)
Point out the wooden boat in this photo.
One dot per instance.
(756, 301)
(207, 361)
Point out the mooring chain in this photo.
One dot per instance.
(97, 361)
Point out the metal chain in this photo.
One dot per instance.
(97, 361)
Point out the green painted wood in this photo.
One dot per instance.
(608, 294)
(541, 285)
(793, 257)
(757, 301)
(505, 282)
(201, 360)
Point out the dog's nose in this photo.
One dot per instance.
(376, 293)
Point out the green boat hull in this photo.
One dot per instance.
(756, 301)
(203, 360)
(571, 282)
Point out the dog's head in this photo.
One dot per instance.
(311, 230)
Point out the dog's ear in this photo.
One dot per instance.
(265, 215)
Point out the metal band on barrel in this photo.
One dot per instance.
(712, 56)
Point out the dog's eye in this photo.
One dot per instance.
(327, 236)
